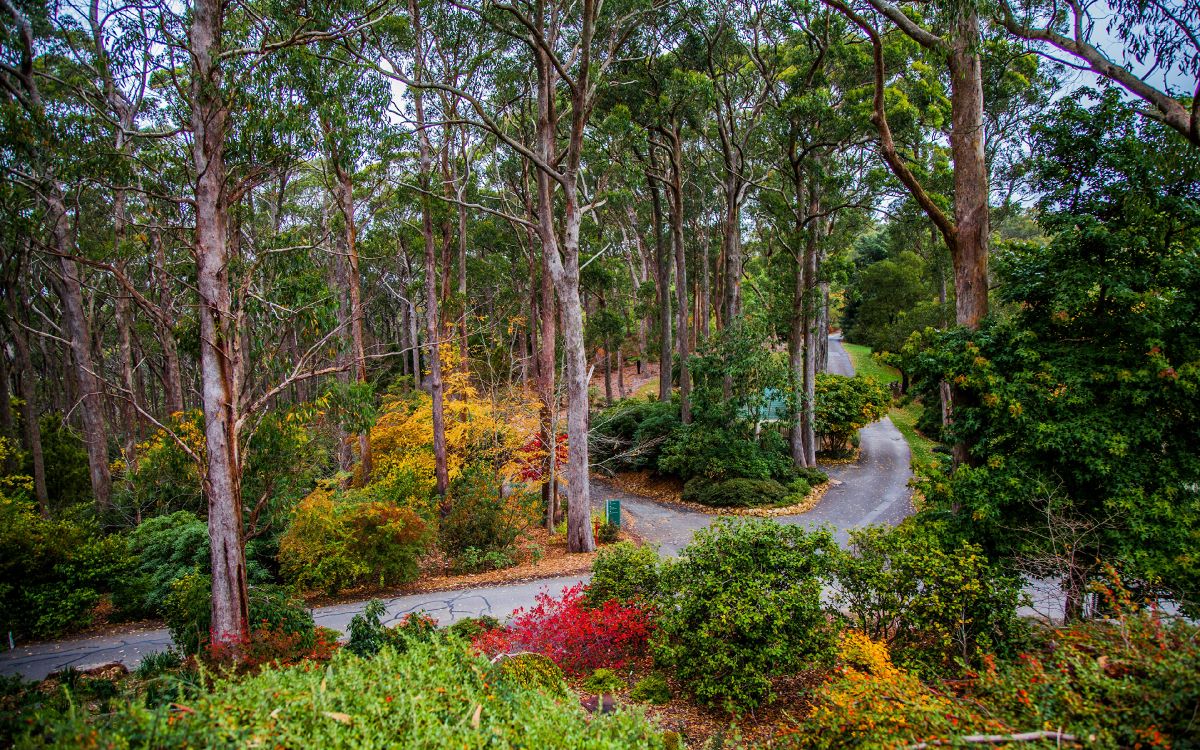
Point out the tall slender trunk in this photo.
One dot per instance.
(345, 198)
(662, 272)
(564, 272)
(545, 368)
(172, 376)
(222, 479)
(705, 289)
(796, 366)
(441, 474)
(90, 393)
(732, 249)
(675, 207)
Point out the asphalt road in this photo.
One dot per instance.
(873, 490)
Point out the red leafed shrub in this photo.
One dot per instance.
(574, 637)
(532, 456)
(273, 645)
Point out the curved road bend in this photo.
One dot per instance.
(873, 490)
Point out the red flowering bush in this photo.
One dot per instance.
(273, 645)
(574, 637)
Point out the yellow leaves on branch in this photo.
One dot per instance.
(479, 428)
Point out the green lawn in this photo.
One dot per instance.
(905, 418)
(865, 364)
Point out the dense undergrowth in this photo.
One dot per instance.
(919, 642)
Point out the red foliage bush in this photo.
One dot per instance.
(268, 645)
(533, 454)
(574, 637)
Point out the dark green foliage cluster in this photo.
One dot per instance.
(936, 601)
(53, 572)
(732, 376)
(716, 454)
(630, 435)
(434, 695)
(188, 612)
(734, 493)
(1082, 404)
(483, 524)
(625, 572)
(743, 604)
(368, 634)
(651, 689)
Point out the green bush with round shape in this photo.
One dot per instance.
(433, 696)
(735, 493)
(625, 572)
(469, 628)
(651, 689)
(532, 672)
(744, 605)
(603, 682)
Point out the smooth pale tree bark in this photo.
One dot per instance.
(219, 399)
(546, 363)
(662, 280)
(441, 473)
(675, 211)
(802, 339)
(1179, 115)
(91, 395)
(172, 376)
(344, 194)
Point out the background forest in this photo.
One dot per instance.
(305, 299)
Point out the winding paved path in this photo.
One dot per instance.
(873, 490)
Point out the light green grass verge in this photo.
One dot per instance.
(865, 364)
(905, 418)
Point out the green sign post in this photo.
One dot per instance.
(612, 510)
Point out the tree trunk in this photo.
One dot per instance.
(442, 479)
(705, 289)
(675, 207)
(222, 480)
(546, 364)
(172, 377)
(970, 174)
(345, 198)
(91, 397)
(808, 417)
(662, 269)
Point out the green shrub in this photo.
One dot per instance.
(434, 696)
(934, 601)
(718, 455)
(188, 613)
(334, 543)
(814, 476)
(475, 560)
(469, 628)
(744, 606)
(484, 516)
(796, 492)
(532, 672)
(609, 533)
(603, 682)
(652, 689)
(625, 572)
(846, 404)
(154, 664)
(735, 493)
(53, 572)
(366, 630)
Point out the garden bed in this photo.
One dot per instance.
(669, 490)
